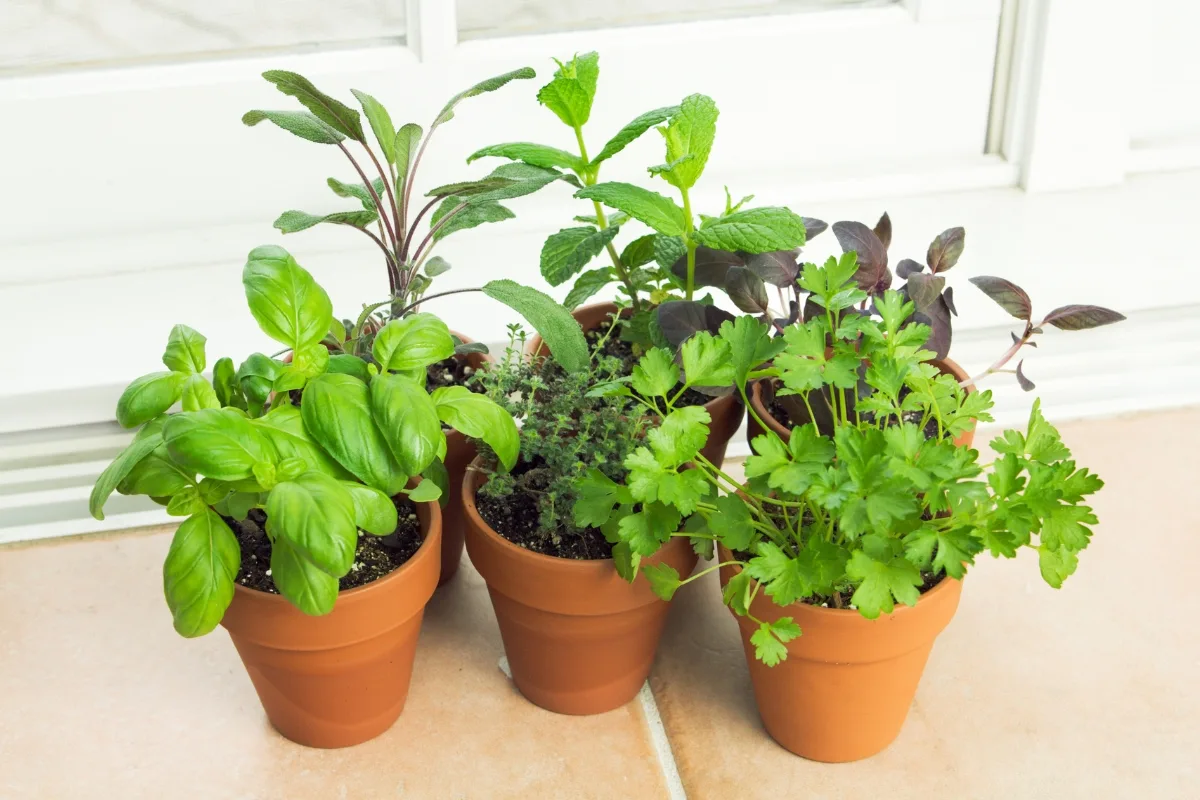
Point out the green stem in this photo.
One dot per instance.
(687, 241)
(589, 178)
(704, 572)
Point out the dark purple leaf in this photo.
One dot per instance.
(924, 290)
(778, 268)
(945, 249)
(812, 309)
(1078, 318)
(679, 319)
(812, 227)
(908, 267)
(937, 317)
(883, 229)
(1008, 295)
(746, 290)
(948, 295)
(872, 255)
(1026, 384)
(711, 266)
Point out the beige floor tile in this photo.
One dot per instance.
(1089, 692)
(100, 699)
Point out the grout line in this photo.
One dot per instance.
(658, 736)
(662, 744)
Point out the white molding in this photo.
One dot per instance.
(1164, 155)
(432, 28)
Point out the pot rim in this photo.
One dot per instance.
(758, 404)
(435, 515)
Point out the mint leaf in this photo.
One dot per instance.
(587, 284)
(881, 581)
(755, 230)
(706, 361)
(656, 374)
(632, 131)
(689, 137)
(648, 207)
(538, 155)
(569, 95)
(569, 250)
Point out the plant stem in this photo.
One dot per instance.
(1000, 362)
(688, 243)
(433, 229)
(387, 187)
(374, 195)
(412, 230)
(589, 178)
(434, 296)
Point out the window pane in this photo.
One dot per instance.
(480, 18)
(37, 34)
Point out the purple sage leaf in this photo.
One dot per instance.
(883, 230)
(746, 290)
(872, 255)
(945, 250)
(1078, 318)
(1008, 295)
(908, 267)
(778, 268)
(1026, 384)
(711, 266)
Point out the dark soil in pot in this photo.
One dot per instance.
(516, 518)
(780, 412)
(451, 371)
(375, 557)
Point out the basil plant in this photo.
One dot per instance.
(364, 432)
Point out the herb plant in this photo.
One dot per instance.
(389, 218)
(567, 429)
(865, 515)
(362, 434)
(643, 267)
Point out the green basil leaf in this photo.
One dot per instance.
(149, 396)
(333, 113)
(225, 383)
(659, 212)
(186, 503)
(409, 421)
(374, 511)
(300, 581)
(145, 443)
(256, 376)
(156, 475)
(346, 364)
(217, 443)
(185, 350)
(425, 492)
(287, 302)
(479, 417)
(301, 123)
(199, 571)
(308, 362)
(336, 410)
(557, 327)
(198, 393)
(415, 341)
(437, 474)
(315, 514)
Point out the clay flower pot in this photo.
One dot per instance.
(460, 452)
(846, 686)
(761, 394)
(579, 638)
(726, 411)
(340, 679)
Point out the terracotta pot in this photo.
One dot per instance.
(846, 686)
(579, 638)
(760, 395)
(726, 412)
(340, 679)
(460, 452)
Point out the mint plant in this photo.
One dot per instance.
(868, 514)
(364, 432)
(392, 222)
(643, 268)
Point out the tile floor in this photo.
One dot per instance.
(1091, 692)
